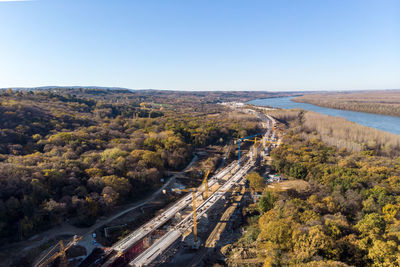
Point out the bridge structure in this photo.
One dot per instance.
(135, 250)
(166, 241)
(129, 247)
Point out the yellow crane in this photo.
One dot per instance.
(52, 254)
(193, 190)
(272, 142)
(252, 140)
(205, 196)
(255, 141)
(205, 182)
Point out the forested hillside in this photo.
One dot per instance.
(349, 216)
(77, 153)
(379, 102)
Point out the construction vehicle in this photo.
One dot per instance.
(52, 254)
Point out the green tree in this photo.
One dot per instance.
(120, 184)
(27, 226)
(298, 171)
(113, 154)
(266, 202)
(372, 223)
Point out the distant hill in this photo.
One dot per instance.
(206, 96)
(63, 87)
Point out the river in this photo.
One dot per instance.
(381, 122)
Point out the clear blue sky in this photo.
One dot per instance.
(201, 44)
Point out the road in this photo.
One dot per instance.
(86, 233)
(125, 247)
(161, 245)
(162, 218)
(140, 203)
(164, 242)
(87, 240)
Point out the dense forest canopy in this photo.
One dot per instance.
(349, 215)
(77, 153)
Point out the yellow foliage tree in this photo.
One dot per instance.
(257, 183)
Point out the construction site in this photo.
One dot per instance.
(183, 225)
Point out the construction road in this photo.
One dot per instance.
(161, 245)
(131, 249)
(165, 216)
(164, 242)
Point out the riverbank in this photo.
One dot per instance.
(376, 102)
(384, 123)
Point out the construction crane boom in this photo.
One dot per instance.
(240, 140)
(205, 182)
(193, 190)
(47, 259)
(272, 142)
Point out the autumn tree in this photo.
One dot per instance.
(257, 183)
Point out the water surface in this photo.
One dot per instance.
(381, 122)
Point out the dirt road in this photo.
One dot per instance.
(10, 252)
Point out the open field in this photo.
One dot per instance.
(379, 102)
(300, 186)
